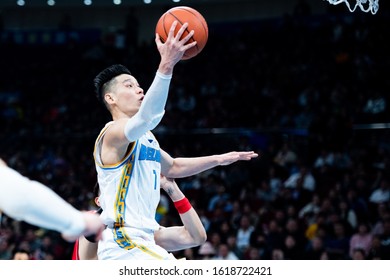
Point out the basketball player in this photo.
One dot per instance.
(128, 158)
(32, 202)
(174, 238)
(85, 248)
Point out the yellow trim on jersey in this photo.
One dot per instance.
(123, 240)
(124, 183)
(110, 166)
(120, 236)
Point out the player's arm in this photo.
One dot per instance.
(152, 109)
(87, 250)
(36, 204)
(191, 234)
(184, 167)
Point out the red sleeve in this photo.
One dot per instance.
(75, 254)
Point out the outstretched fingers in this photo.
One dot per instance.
(179, 35)
(231, 157)
(248, 155)
(185, 40)
(171, 33)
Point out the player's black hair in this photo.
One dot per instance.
(20, 250)
(102, 80)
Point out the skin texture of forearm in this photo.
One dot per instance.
(184, 167)
(191, 234)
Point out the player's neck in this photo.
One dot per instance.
(116, 115)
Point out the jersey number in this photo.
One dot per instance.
(155, 178)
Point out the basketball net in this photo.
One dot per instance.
(364, 5)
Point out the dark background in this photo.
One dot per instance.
(297, 76)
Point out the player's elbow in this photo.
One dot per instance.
(201, 238)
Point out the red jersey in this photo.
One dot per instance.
(75, 254)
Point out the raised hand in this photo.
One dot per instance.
(173, 49)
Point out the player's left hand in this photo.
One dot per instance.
(229, 158)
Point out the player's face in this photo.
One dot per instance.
(128, 93)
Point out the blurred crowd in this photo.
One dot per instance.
(301, 90)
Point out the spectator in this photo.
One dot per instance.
(224, 253)
(325, 158)
(286, 156)
(302, 178)
(337, 246)
(274, 180)
(293, 122)
(385, 240)
(358, 254)
(206, 251)
(313, 207)
(315, 249)
(5, 249)
(347, 214)
(273, 236)
(277, 254)
(375, 107)
(293, 229)
(21, 254)
(376, 251)
(231, 241)
(362, 239)
(382, 193)
(291, 250)
(244, 233)
(253, 254)
(220, 199)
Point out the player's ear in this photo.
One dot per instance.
(97, 201)
(109, 97)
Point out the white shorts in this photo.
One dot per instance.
(130, 244)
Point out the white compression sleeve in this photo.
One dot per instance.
(36, 204)
(151, 110)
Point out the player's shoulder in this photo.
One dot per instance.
(108, 124)
(116, 123)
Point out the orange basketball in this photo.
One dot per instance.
(195, 21)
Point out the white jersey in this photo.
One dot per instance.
(129, 195)
(130, 189)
